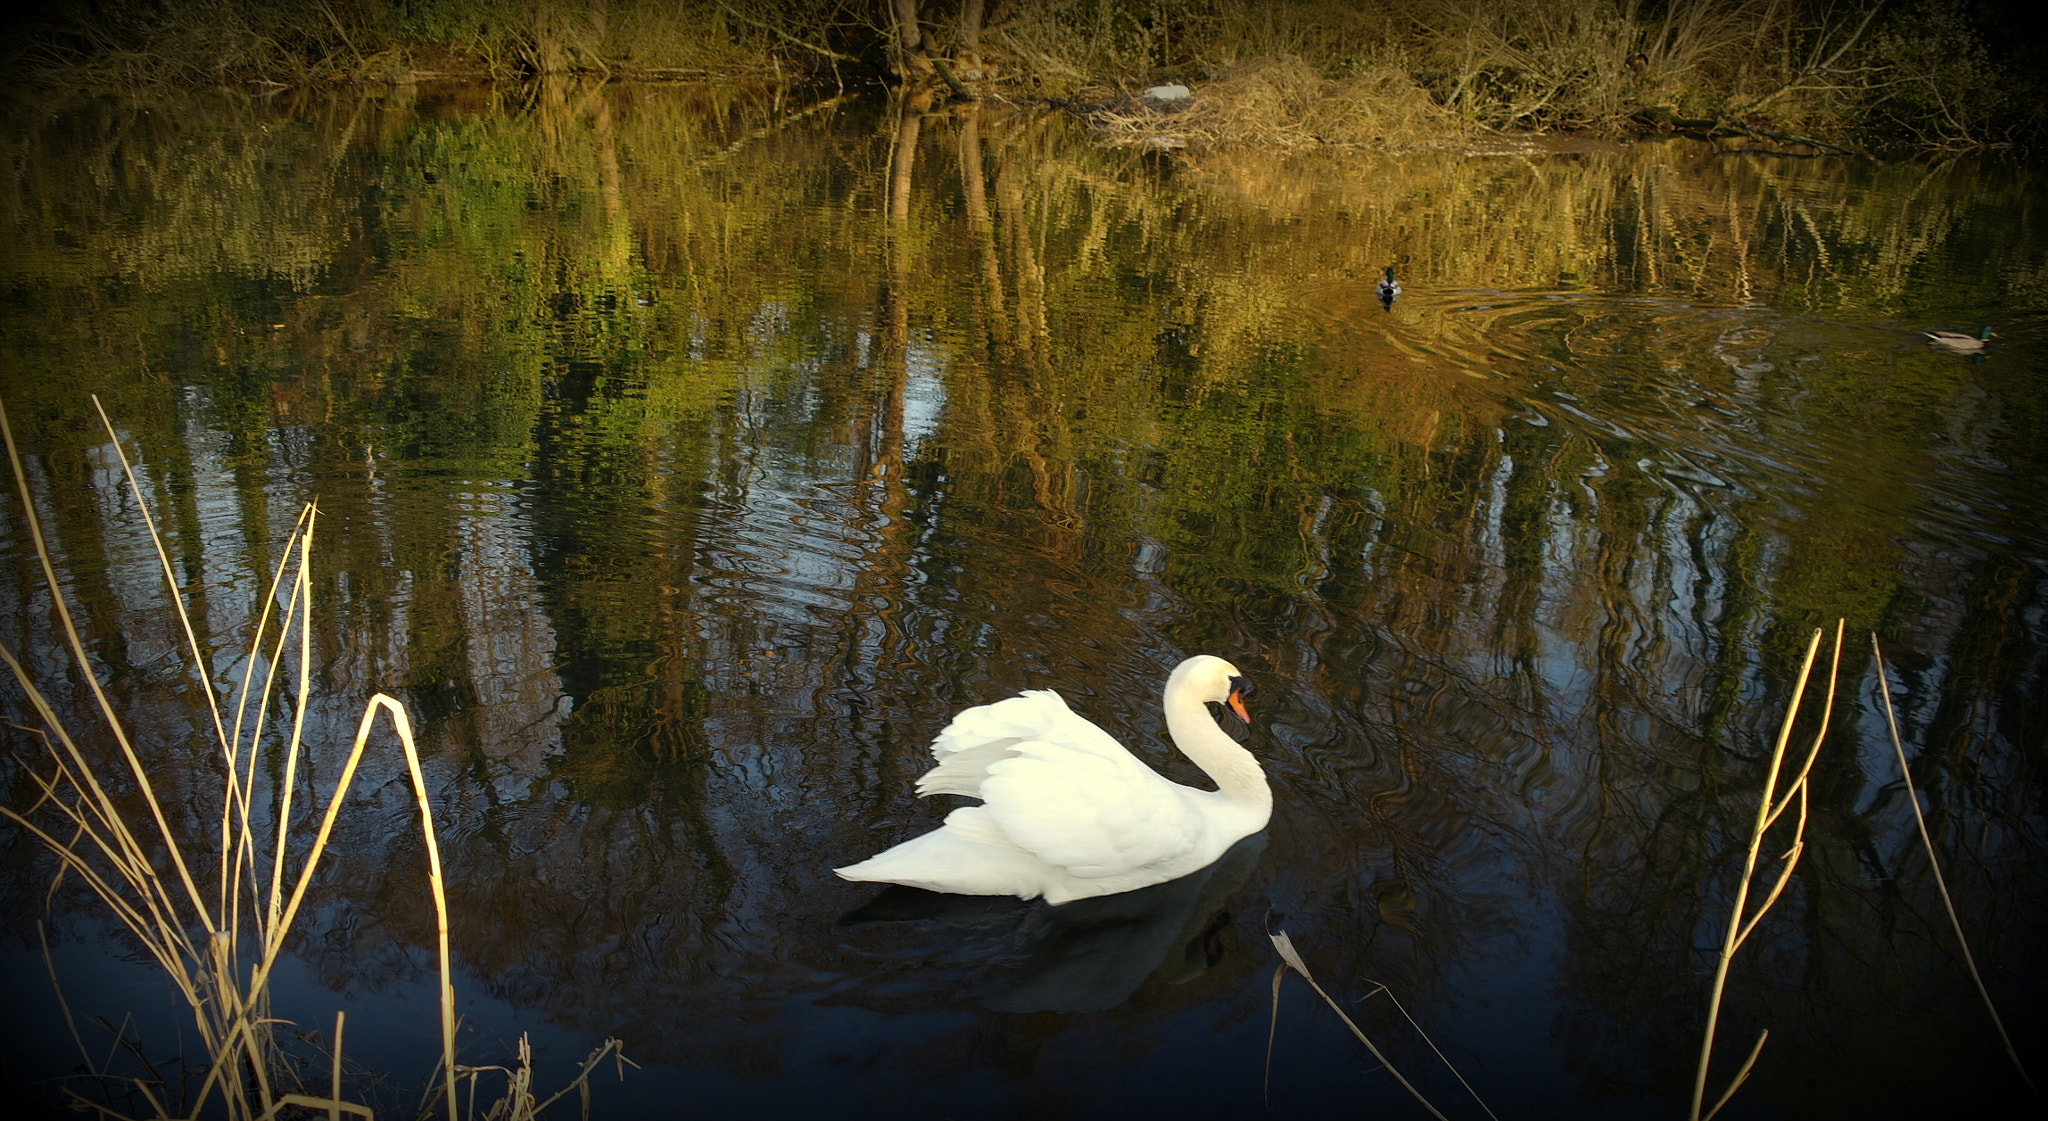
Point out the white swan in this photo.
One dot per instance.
(1066, 812)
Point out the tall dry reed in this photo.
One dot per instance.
(1948, 902)
(98, 811)
(1290, 958)
(1742, 922)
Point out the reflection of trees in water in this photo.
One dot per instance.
(690, 461)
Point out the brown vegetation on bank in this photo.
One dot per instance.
(1940, 73)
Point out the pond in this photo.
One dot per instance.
(686, 457)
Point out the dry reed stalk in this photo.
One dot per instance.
(1769, 810)
(1291, 959)
(519, 1104)
(1941, 882)
(198, 943)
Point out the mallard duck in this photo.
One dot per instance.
(1390, 289)
(1957, 340)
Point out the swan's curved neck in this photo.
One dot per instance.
(1234, 770)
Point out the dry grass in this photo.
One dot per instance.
(99, 814)
(1290, 958)
(1934, 862)
(218, 937)
(1921, 70)
(1589, 63)
(1741, 921)
(1285, 103)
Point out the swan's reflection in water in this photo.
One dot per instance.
(1085, 956)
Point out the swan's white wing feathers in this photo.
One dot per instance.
(1058, 787)
(1086, 810)
(972, 823)
(986, 734)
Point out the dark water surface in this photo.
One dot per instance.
(686, 457)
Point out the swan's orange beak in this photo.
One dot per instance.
(1236, 703)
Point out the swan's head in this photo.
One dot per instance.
(1211, 680)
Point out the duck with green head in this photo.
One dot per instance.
(1957, 340)
(1389, 290)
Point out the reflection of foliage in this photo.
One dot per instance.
(608, 394)
(567, 282)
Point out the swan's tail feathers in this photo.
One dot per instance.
(987, 734)
(968, 855)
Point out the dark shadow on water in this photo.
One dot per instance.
(1086, 956)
